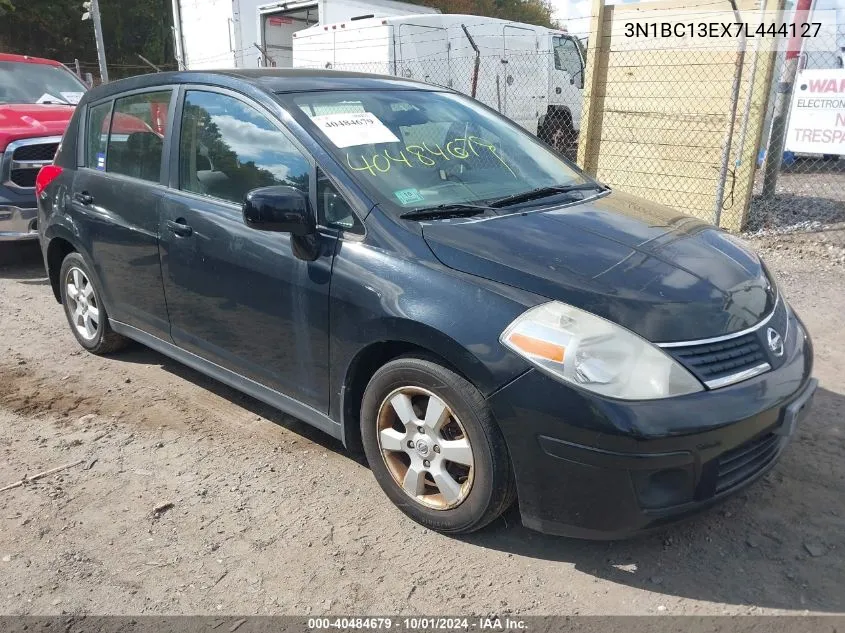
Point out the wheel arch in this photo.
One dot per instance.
(60, 242)
(407, 338)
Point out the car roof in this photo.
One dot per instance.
(272, 80)
(26, 59)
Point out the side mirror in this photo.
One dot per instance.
(281, 209)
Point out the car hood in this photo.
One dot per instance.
(19, 121)
(663, 275)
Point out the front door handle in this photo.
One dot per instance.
(83, 197)
(179, 227)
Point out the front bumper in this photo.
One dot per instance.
(592, 467)
(18, 223)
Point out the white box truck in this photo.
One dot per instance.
(531, 74)
(250, 33)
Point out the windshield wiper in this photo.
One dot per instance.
(457, 210)
(543, 192)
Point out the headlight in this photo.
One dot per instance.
(595, 354)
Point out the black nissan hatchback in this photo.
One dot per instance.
(407, 270)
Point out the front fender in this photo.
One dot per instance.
(379, 298)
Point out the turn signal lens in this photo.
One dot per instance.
(46, 175)
(537, 347)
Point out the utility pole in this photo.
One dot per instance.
(783, 97)
(92, 12)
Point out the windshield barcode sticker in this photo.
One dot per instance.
(360, 128)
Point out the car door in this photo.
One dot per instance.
(116, 196)
(245, 299)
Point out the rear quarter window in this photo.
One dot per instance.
(96, 135)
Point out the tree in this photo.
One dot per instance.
(54, 29)
(537, 12)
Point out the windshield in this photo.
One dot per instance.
(415, 149)
(23, 82)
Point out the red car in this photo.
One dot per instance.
(37, 99)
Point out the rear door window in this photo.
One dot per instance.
(136, 139)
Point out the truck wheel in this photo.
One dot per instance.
(84, 309)
(434, 448)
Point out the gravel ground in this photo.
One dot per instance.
(810, 196)
(189, 498)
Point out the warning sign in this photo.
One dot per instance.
(817, 115)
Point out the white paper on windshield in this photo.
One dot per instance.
(356, 128)
(48, 98)
(72, 97)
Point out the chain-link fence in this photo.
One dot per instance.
(688, 128)
(806, 189)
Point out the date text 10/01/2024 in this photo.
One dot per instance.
(493, 624)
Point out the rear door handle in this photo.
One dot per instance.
(83, 197)
(179, 227)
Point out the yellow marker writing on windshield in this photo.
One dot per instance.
(462, 148)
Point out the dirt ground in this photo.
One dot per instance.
(270, 516)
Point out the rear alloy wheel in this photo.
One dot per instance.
(84, 309)
(82, 305)
(433, 446)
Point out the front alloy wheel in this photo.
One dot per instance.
(425, 447)
(434, 447)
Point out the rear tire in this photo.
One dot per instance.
(84, 309)
(434, 447)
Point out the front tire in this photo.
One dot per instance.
(434, 447)
(84, 309)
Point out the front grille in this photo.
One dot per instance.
(26, 160)
(711, 361)
(24, 177)
(743, 462)
(41, 151)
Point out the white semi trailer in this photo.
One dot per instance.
(531, 74)
(250, 33)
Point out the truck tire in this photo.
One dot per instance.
(559, 133)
